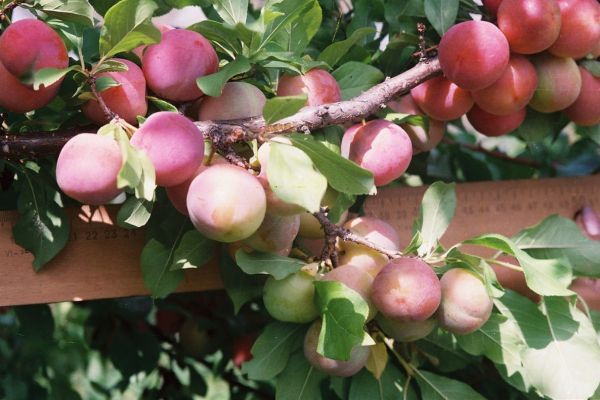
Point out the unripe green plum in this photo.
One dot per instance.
(495, 125)
(512, 91)
(579, 30)
(226, 203)
(375, 231)
(310, 227)
(406, 289)
(466, 304)
(473, 54)
(441, 99)
(237, 101)
(291, 299)
(559, 83)
(319, 85)
(356, 279)
(172, 66)
(128, 100)
(421, 140)
(405, 331)
(275, 205)
(585, 111)
(174, 145)
(27, 46)
(530, 26)
(358, 355)
(276, 234)
(379, 146)
(87, 168)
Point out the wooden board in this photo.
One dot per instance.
(102, 260)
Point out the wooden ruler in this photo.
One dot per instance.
(101, 260)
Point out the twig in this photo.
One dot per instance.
(107, 111)
(306, 120)
(496, 154)
(333, 231)
(8, 8)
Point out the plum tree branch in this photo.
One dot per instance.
(333, 231)
(107, 111)
(225, 133)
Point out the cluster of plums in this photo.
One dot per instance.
(405, 296)
(492, 72)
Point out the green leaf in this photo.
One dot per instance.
(344, 314)
(355, 77)
(435, 215)
(156, 260)
(562, 358)
(105, 82)
(499, 339)
(545, 277)
(333, 53)
(161, 104)
(272, 349)
(539, 126)
(78, 11)
(278, 108)
(212, 85)
(294, 178)
(223, 36)
(593, 66)
(134, 213)
(434, 387)
(127, 25)
(240, 287)
(298, 34)
(232, 11)
(43, 227)
(272, 264)
(441, 14)
(342, 174)
(48, 76)
(390, 386)
(299, 380)
(193, 251)
(560, 238)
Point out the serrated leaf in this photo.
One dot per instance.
(434, 387)
(126, 26)
(562, 358)
(560, 238)
(258, 262)
(240, 287)
(435, 214)
(294, 178)
(134, 213)
(545, 277)
(441, 14)
(79, 11)
(272, 349)
(296, 36)
(344, 313)
(299, 380)
(355, 77)
(342, 174)
(212, 85)
(333, 53)
(193, 251)
(43, 227)
(278, 108)
(156, 260)
(231, 11)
